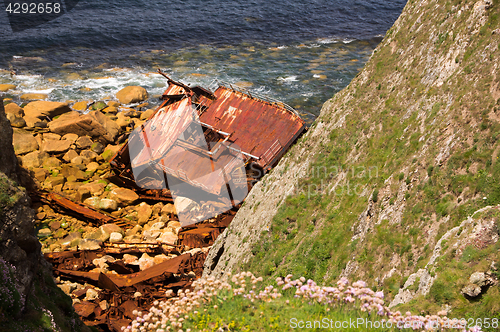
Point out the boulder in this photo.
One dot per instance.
(84, 142)
(17, 122)
(80, 105)
(43, 109)
(115, 237)
(132, 94)
(110, 151)
(144, 212)
(6, 87)
(107, 204)
(70, 155)
(32, 159)
(51, 162)
(168, 209)
(12, 108)
(33, 96)
(168, 237)
(92, 167)
(471, 290)
(23, 142)
(147, 114)
(68, 170)
(53, 146)
(70, 137)
(89, 155)
(33, 122)
(94, 124)
(51, 136)
(124, 196)
(112, 228)
(98, 106)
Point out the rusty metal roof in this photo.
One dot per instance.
(234, 128)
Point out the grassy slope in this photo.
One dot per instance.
(415, 139)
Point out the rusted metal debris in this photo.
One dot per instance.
(78, 210)
(122, 289)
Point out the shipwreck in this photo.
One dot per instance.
(204, 150)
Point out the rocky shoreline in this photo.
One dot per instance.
(66, 148)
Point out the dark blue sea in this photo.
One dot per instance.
(301, 52)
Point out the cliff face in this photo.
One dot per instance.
(397, 182)
(29, 298)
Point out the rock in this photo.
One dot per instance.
(132, 94)
(157, 226)
(97, 235)
(43, 109)
(113, 103)
(124, 196)
(151, 236)
(70, 155)
(92, 201)
(144, 212)
(51, 162)
(54, 225)
(110, 151)
(167, 237)
(147, 114)
(70, 137)
(6, 87)
(174, 226)
(17, 122)
(111, 228)
(122, 120)
(97, 148)
(107, 204)
(84, 142)
(23, 142)
(110, 110)
(44, 232)
(8, 160)
(53, 181)
(94, 124)
(68, 170)
(471, 290)
(479, 278)
(77, 160)
(184, 204)
(134, 230)
(98, 105)
(51, 136)
(91, 295)
(40, 174)
(67, 288)
(168, 210)
(104, 305)
(71, 240)
(94, 188)
(12, 108)
(115, 237)
(56, 146)
(89, 155)
(160, 258)
(32, 159)
(130, 259)
(80, 106)
(145, 262)
(33, 96)
(92, 167)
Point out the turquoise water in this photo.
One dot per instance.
(303, 75)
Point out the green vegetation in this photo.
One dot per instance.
(403, 118)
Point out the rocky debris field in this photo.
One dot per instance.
(66, 147)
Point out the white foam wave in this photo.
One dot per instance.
(288, 79)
